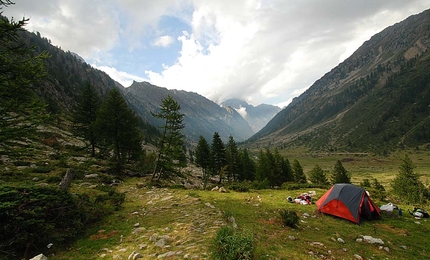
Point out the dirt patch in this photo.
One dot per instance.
(102, 235)
(392, 229)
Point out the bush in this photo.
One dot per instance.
(239, 186)
(261, 185)
(289, 218)
(232, 245)
(31, 217)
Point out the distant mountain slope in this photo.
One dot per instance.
(376, 100)
(67, 74)
(257, 117)
(202, 116)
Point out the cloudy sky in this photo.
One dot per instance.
(261, 51)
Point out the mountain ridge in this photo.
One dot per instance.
(334, 113)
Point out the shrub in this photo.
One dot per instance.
(31, 217)
(239, 186)
(230, 244)
(289, 218)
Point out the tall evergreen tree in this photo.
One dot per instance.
(299, 175)
(20, 110)
(232, 158)
(85, 116)
(407, 185)
(340, 174)
(247, 166)
(119, 127)
(170, 145)
(317, 176)
(218, 155)
(203, 159)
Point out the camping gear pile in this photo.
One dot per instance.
(419, 213)
(349, 202)
(303, 199)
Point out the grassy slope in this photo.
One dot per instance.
(190, 224)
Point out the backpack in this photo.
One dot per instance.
(420, 213)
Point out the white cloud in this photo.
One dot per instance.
(163, 41)
(242, 112)
(257, 50)
(122, 77)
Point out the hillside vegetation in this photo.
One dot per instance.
(377, 100)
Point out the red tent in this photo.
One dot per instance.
(349, 202)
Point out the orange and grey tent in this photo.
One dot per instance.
(349, 202)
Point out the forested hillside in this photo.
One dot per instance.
(376, 100)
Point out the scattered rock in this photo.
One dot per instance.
(292, 238)
(404, 247)
(209, 205)
(358, 256)
(39, 257)
(317, 244)
(340, 240)
(222, 189)
(160, 242)
(136, 225)
(93, 175)
(167, 254)
(372, 240)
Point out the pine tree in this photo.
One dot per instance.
(218, 156)
(247, 166)
(340, 174)
(170, 145)
(85, 116)
(317, 176)
(407, 185)
(20, 110)
(118, 127)
(232, 159)
(299, 175)
(203, 159)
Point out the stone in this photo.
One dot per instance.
(292, 238)
(160, 242)
(340, 240)
(372, 240)
(93, 175)
(67, 180)
(39, 257)
(404, 247)
(222, 189)
(209, 205)
(166, 255)
(216, 188)
(358, 256)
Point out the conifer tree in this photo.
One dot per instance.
(247, 166)
(232, 159)
(170, 145)
(218, 156)
(203, 159)
(317, 176)
(20, 110)
(340, 174)
(299, 175)
(407, 185)
(85, 116)
(119, 127)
